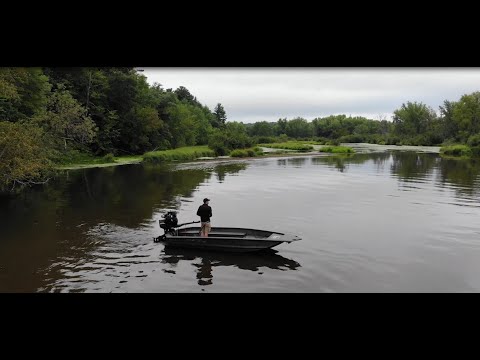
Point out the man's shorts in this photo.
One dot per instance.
(206, 226)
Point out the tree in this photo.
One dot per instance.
(24, 155)
(450, 127)
(413, 119)
(65, 119)
(23, 93)
(466, 115)
(299, 128)
(281, 126)
(184, 95)
(220, 117)
(262, 128)
(232, 136)
(182, 125)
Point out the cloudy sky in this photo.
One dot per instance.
(267, 94)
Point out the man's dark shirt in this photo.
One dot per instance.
(205, 212)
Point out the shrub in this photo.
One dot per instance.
(333, 142)
(474, 140)
(456, 150)
(475, 151)
(180, 154)
(109, 158)
(290, 146)
(265, 139)
(352, 139)
(337, 149)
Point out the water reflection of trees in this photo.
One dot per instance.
(105, 195)
(408, 166)
(342, 162)
(411, 165)
(209, 260)
(463, 173)
(51, 221)
(222, 170)
(295, 162)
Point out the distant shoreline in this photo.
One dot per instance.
(199, 160)
(267, 154)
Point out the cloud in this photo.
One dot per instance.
(257, 94)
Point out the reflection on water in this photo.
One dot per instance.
(341, 162)
(221, 171)
(366, 220)
(209, 260)
(409, 166)
(296, 162)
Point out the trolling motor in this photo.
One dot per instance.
(169, 225)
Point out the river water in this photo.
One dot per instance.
(378, 221)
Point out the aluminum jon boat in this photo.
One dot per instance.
(219, 238)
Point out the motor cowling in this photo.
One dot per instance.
(170, 221)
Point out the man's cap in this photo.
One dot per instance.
(205, 200)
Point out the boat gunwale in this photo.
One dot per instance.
(284, 237)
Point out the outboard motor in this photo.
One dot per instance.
(170, 221)
(168, 224)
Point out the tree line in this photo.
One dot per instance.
(49, 114)
(414, 123)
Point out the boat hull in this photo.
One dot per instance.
(226, 239)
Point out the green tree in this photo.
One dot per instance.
(24, 155)
(184, 95)
(66, 120)
(466, 115)
(449, 125)
(262, 128)
(220, 116)
(182, 125)
(281, 127)
(413, 119)
(299, 128)
(233, 136)
(23, 93)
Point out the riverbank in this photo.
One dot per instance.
(125, 160)
(197, 154)
(100, 162)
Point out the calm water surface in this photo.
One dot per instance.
(382, 221)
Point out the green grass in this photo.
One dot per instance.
(337, 149)
(77, 160)
(129, 159)
(290, 145)
(180, 154)
(251, 152)
(456, 150)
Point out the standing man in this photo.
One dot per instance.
(205, 213)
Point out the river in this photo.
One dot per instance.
(378, 221)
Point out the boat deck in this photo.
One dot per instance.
(214, 234)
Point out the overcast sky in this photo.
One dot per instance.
(267, 94)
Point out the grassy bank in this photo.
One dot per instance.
(337, 150)
(180, 154)
(461, 151)
(189, 153)
(290, 145)
(81, 161)
(252, 152)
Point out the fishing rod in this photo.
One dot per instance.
(193, 222)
